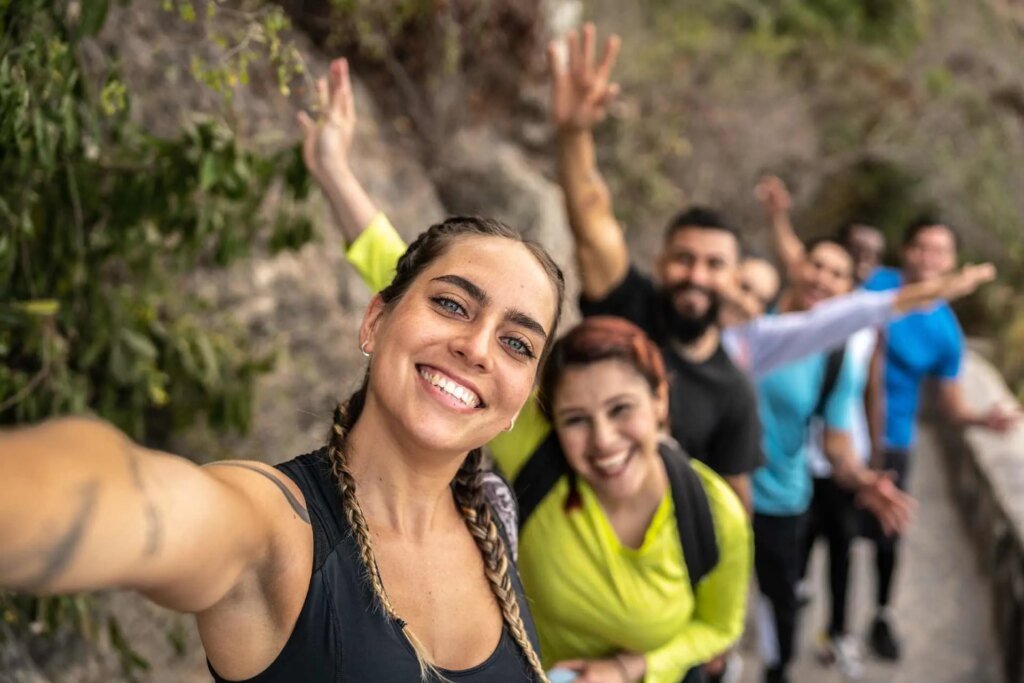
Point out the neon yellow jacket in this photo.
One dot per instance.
(591, 596)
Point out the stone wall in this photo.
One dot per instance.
(987, 478)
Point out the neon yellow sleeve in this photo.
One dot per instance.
(376, 251)
(512, 449)
(721, 599)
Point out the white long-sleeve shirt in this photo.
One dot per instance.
(763, 344)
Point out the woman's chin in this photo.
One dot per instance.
(438, 439)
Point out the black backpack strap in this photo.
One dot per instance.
(693, 514)
(545, 466)
(833, 366)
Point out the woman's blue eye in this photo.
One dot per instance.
(449, 305)
(519, 346)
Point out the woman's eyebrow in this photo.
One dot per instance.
(517, 317)
(513, 315)
(467, 286)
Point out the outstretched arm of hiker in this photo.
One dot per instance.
(951, 287)
(580, 92)
(82, 507)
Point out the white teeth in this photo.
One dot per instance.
(451, 388)
(610, 463)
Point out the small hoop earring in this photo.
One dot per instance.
(511, 426)
(362, 349)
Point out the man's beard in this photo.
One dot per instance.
(685, 328)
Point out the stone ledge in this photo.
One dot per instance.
(987, 478)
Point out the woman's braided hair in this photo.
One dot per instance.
(467, 488)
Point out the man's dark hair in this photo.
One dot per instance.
(847, 229)
(701, 218)
(925, 221)
(817, 241)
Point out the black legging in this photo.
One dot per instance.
(778, 550)
(833, 515)
(886, 547)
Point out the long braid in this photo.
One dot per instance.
(469, 496)
(345, 416)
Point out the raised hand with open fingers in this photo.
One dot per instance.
(326, 140)
(773, 195)
(580, 88)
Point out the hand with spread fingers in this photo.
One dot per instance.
(326, 141)
(581, 88)
(773, 195)
(879, 495)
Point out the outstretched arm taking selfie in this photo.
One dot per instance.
(580, 93)
(83, 508)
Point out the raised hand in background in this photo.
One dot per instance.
(326, 142)
(580, 88)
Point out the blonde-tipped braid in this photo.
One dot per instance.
(469, 495)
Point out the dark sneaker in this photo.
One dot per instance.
(775, 675)
(883, 641)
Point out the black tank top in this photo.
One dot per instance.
(341, 634)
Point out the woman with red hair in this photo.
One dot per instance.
(636, 558)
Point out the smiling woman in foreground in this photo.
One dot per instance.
(374, 558)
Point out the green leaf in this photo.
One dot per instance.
(208, 357)
(94, 13)
(40, 307)
(140, 344)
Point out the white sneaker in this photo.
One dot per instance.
(845, 653)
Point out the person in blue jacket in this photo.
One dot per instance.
(919, 345)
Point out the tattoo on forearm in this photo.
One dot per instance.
(154, 524)
(289, 496)
(42, 565)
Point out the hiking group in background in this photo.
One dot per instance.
(700, 425)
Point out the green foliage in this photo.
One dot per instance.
(100, 224)
(255, 36)
(890, 24)
(101, 220)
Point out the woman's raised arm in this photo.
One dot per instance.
(82, 507)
